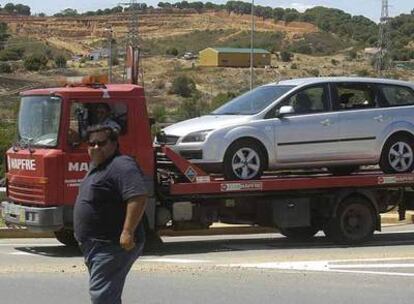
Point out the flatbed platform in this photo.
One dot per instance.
(293, 183)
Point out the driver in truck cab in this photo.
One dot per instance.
(93, 114)
(103, 117)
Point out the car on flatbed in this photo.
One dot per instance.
(337, 123)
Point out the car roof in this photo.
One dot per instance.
(316, 80)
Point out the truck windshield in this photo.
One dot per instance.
(39, 118)
(253, 101)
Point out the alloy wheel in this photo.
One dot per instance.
(400, 156)
(245, 163)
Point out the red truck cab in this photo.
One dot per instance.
(48, 161)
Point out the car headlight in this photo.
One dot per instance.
(198, 136)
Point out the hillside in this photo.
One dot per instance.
(77, 34)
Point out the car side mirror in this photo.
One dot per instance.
(285, 110)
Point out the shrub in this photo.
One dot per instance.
(286, 56)
(183, 86)
(5, 67)
(294, 66)
(60, 61)
(35, 62)
(314, 72)
(192, 107)
(334, 61)
(159, 113)
(172, 51)
(351, 55)
(13, 53)
(221, 99)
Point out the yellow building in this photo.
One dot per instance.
(233, 57)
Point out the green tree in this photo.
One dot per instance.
(35, 62)
(286, 56)
(183, 86)
(67, 12)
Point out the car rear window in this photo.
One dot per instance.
(397, 95)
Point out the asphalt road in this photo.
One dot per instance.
(223, 269)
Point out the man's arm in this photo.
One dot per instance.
(134, 213)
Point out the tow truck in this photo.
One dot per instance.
(46, 165)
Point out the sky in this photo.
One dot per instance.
(367, 8)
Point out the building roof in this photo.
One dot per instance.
(239, 50)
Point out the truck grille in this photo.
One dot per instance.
(27, 193)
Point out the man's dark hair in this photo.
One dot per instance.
(112, 133)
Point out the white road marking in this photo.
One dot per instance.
(21, 253)
(172, 260)
(331, 266)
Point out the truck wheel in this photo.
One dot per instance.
(299, 233)
(244, 160)
(398, 155)
(354, 223)
(66, 237)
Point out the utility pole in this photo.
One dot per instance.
(383, 61)
(110, 60)
(252, 49)
(133, 34)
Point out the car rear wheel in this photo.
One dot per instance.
(398, 155)
(244, 160)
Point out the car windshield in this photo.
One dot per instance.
(39, 118)
(253, 101)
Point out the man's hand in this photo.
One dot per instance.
(126, 240)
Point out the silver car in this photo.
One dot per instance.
(337, 122)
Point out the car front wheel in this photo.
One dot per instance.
(398, 155)
(244, 160)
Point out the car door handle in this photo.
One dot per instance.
(379, 118)
(326, 122)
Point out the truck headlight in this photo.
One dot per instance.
(198, 136)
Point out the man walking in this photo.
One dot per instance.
(108, 215)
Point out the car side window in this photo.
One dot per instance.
(397, 95)
(309, 100)
(355, 96)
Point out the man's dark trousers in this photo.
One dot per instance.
(108, 266)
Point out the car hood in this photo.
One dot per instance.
(207, 122)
